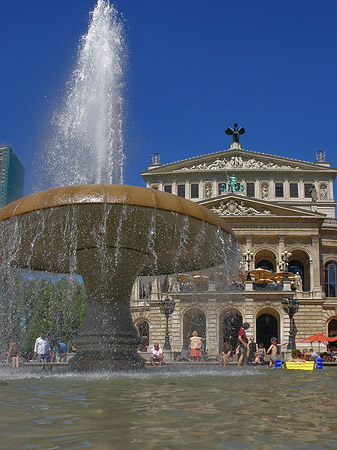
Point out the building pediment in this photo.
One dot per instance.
(242, 206)
(238, 159)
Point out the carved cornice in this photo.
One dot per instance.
(237, 162)
(233, 208)
(297, 241)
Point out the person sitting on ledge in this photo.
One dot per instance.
(226, 355)
(156, 354)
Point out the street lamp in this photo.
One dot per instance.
(285, 260)
(290, 306)
(248, 256)
(167, 307)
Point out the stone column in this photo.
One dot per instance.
(249, 316)
(176, 337)
(315, 267)
(281, 247)
(212, 335)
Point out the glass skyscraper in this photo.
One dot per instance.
(12, 175)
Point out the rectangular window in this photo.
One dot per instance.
(278, 189)
(181, 190)
(307, 187)
(294, 190)
(194, 190)
(168, 188)
(221, 188)
(250, 189)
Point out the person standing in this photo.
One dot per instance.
(243, 344)
(13, 352)
(42, 349)
(196, 344)
(252, 349)
(273, 350)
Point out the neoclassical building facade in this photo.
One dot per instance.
(282, 211)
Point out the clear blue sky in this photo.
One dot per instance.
(195, 67)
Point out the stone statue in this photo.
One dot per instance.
(324, 192)
(298, 282)
(265, 191)
(235, 132)
(313, 193)
(208, 190)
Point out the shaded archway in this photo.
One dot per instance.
(300, 262)
(230, 322)
(267, 326)
(194, 320)
(143, 330)
(332, 331)
(265, 259)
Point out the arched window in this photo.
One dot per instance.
(266, 327)
(144, 333)
(330, 270)
(229, 326)
(194, 320)
(265, 264)
(296, 266)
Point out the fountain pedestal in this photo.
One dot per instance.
(108, 338)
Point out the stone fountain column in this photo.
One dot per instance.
(108, 338)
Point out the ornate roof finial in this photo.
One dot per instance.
(155, 159)
(235, 132)
(320, 156)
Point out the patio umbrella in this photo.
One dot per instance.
(318, 337)
(259, 273)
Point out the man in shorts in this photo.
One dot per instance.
(243, 344)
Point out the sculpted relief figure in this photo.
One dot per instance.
(323, 192)
(265, 191)
(208, 190)
(233, 208)
(237, 162)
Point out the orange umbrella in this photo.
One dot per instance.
(318, 337)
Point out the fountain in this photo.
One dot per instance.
(111, 234)
(108, 233)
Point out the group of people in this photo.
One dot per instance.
(250, 353)
(42, 352)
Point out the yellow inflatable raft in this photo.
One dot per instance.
(305, 365)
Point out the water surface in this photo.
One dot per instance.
(191, 408)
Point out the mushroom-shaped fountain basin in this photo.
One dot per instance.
(110, 234)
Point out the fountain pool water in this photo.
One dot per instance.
(197, 409)
(111, 234)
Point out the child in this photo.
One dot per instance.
(274, 349)
(260, 355)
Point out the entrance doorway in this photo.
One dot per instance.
(229, 326)
(194, 320)
(144, 333)
(266, 328)
(332, 332)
